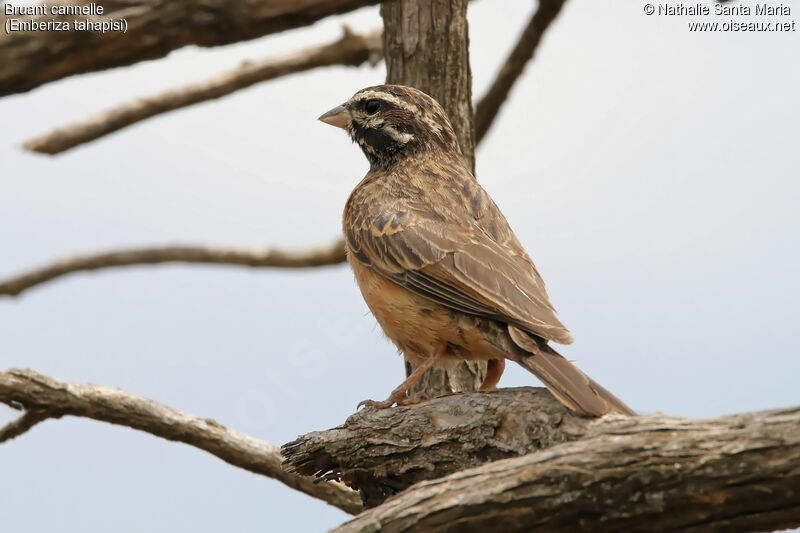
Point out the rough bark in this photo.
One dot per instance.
(43, 397)
(426, 45)
(154, 29)
(323, 256)
(647, 473)
(384, 451)
(351, 49)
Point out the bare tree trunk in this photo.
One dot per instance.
(426, 45)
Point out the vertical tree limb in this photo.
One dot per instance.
(426, 45)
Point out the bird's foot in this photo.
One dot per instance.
(398, 397)
(385, 404)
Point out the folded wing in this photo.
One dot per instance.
(462, 268)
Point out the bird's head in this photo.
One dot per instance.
(393, 121)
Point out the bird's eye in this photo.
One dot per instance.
(372, 106)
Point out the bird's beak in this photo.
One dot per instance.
(339, 116)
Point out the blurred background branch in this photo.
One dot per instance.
(351, 49)
(489, 105)
(275, 258)
(155, 28)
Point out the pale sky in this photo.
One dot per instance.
(650, 172)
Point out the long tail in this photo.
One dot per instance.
(572, 387)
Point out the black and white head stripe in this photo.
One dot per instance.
(388, 120)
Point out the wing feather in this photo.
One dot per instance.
(462, 268)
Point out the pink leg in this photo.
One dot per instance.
(400, 394)
(493, 372)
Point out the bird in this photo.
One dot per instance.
(436, 261)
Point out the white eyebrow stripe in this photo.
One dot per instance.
(389, 98)
(432, 124)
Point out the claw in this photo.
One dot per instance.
(396, 397)
(385, 404)
(400, 395)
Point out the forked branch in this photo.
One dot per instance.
(43, 397)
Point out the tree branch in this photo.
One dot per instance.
(464, 379)
(315, 257)
(350, 49)
(487, 108)
(52, 397)
(647, 473)
(154, 29)
(384, 451)
(30, 418)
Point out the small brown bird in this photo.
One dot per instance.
(435, 259)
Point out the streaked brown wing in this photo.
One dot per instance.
(460, 267)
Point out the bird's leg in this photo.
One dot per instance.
(494, 369)
(400, 394)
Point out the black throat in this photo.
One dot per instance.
(380, 147)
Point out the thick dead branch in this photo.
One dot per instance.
(55, 398)
(384, 451)
(487, 108)
(316, 257)
(154, 29)
(351, 49)
(647, 473)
